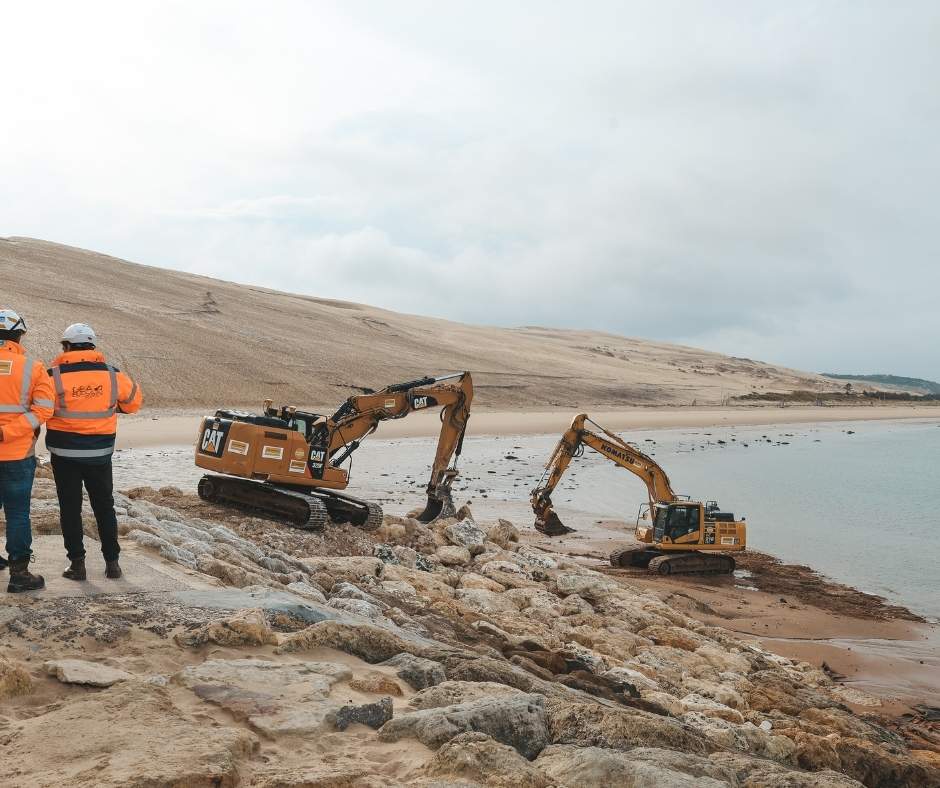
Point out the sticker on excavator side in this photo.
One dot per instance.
(710, 534)
(297, 466)
(213, 437)
(729, 540)
(299, 454)
(238, 447)
(389, 403)
(272, 452)
(317, 462)
(417, 403)
(6, 367)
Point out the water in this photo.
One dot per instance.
(862, 508)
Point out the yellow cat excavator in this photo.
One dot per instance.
(286, 463)
(679, 536)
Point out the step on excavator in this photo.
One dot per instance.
(677, 536)
(286, 463)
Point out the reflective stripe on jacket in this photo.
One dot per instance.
(25, 401)
(89, 393)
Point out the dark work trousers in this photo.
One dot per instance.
(70, 475)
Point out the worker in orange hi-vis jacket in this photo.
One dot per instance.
(25, 404)
(89, 395)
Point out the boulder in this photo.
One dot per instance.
(376, 684)
(140, 719)
(14, 679)
(504, 533)
(79, 671)
(479, 758)
(473, 580)
(593, 725)
(466, 533)
(374, 715)
(593, 587)
(304, 589)
(484, 601)
(417, 672)
(242, 628)
(675, 637)
(451, 693)
(518, 721)
(452, 555)
(567, 765)
(358, 607)
(367, 641)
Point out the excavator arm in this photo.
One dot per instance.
(361, 415)
(609, 445)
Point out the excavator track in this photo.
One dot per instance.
(694, 563)
(633, 556)
(302, 510)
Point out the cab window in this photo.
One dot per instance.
(683, 520)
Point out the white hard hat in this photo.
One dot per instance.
(10, 321)
(79, 334)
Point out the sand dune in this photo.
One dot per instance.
(191, 342)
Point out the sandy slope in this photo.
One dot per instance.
(191, 341)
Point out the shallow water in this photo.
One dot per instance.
(862, 508)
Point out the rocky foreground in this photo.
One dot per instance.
(444, 656)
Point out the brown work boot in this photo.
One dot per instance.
(112, 569)
(76, 570)
(21, 579)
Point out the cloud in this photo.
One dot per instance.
(760, 181)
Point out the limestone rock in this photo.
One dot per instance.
(417, 672)
(14, 679)
(140, 720)
(367, 641)
(593, 587)
(504, 533)
(79, 671)
(453, 555)
(516, 720)
(569, 765)
(377, 684)
(375, 715)
(358, 607)
(451, 693)
(275, 697)
(477, 757)
(675, 637)
(484, 601)
(473, 580)
(592, 725)
(466, 533)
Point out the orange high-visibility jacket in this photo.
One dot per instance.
(25, 401)
(89, 393)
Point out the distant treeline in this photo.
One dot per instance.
(890, 380)
(836, 396)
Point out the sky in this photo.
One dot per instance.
(756, 178)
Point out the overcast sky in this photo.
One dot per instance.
(755, 178)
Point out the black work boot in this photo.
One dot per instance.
(76, 570)
(21, 579)
(112, 569)
(3, 563)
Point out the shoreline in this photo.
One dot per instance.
(177, 427)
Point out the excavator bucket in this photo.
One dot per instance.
(441, 505)
(550, 525)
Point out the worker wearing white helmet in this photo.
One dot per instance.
(89, 395)
(25, 404)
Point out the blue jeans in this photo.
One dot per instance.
(16, 490)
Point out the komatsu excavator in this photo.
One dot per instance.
(286, 463)
(680, 536)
